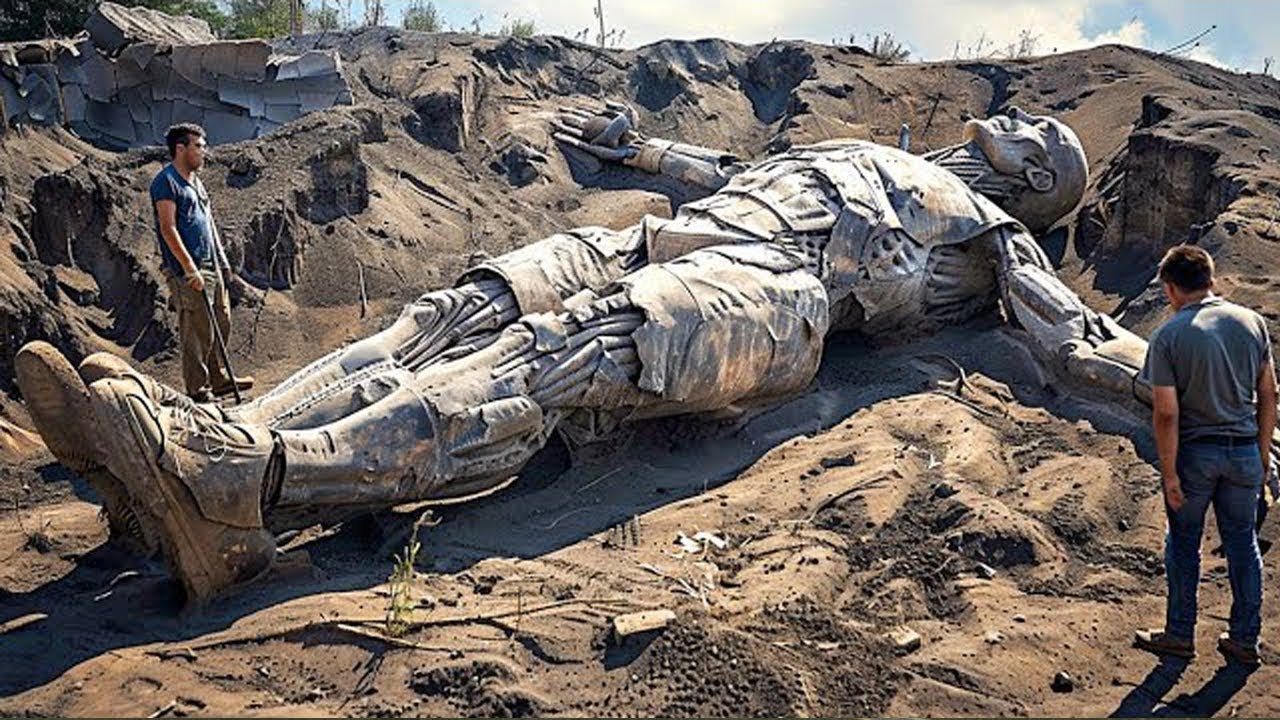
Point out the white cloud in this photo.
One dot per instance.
(931, 28)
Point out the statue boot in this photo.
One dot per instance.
(199, 481)
(58, 401)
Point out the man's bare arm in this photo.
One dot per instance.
(1266, 415)
(1164, 423)
(167, 211)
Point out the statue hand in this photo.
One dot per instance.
(608, 133)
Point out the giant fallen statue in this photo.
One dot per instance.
(719, 310)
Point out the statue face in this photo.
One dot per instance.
(1044, 153)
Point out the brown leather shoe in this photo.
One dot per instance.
(1233, 650)
(1156, 641)
(201, 480)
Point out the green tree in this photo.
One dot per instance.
(518, 28)
(421, 16)
(258, 18)
(323, 18)
(34, 19)
(206, 10)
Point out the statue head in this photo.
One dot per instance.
(1042, 154)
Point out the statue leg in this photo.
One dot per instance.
(721, 328)
(540, 277)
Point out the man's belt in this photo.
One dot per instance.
(1224, 440)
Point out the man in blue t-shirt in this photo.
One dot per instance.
(195, 264)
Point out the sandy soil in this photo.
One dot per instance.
(1016, 529)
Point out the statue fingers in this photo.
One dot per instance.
(622, 108)
(613, 133)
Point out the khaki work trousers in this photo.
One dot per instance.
(201, 362)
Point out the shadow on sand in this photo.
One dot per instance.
(92, 610)
(1147, 698)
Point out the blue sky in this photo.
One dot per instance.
(1246, 31)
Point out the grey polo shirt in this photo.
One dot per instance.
(1212, 352)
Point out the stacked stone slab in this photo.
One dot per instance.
(137, 71)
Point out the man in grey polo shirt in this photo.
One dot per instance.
(1213, 413)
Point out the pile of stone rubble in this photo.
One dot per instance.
(135, 71)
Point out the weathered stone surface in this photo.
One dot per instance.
(112, 27)
(309, 64)
(139, 71)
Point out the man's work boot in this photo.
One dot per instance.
(1160, 643)
(201, 481)
(58, 401)
(242, 383)
(1239, 652)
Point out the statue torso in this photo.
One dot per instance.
(879, 226)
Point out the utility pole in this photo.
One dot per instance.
(600, 14)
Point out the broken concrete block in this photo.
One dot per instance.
(309, 64)
(241, 94)
(10, 99)
(71, 69)
(161, 114)
(138, 101)
(265, 126)
(73, 101)
(146, 134)
(110, 120)
(281, 114)
(225, 127)
(313, 100)
(42, 94)
(112, 27)
(100, 74)
(630, 624)
(138, 55)
(185, 112)
(904, 639)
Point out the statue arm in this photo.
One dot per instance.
(610, 135)
(1080, 344)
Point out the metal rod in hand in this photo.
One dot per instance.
(222, 343)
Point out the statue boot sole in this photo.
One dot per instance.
(58, 402)
(206, 557)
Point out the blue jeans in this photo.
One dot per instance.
(1231, 478)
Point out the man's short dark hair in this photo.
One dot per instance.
(1188, 267)
(181, 134)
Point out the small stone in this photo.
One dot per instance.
(904, 639)
(985, 571)
(944, 490)
(1019, 618)
(993, 637)
(1063, 682)
(1123, 525)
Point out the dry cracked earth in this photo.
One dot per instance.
(1017, 530)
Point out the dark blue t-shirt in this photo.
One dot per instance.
(193, 223)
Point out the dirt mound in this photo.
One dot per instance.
(1011, 529)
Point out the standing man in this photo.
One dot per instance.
(195, 264)
(1213, 412)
